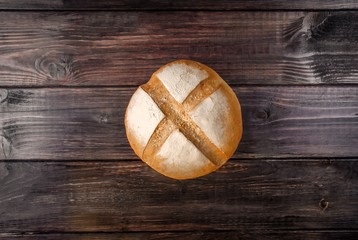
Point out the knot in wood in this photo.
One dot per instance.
(3, 95)
(263, 114)
(103, 118)
(55, 66)
(323, 204)
(5, 147)
(4, 170)
(18, 96)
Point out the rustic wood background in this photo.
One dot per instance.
(68, 69)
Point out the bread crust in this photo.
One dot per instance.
(233, 131)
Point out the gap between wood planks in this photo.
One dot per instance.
(303, 230)
(278, 10)
(194, 235)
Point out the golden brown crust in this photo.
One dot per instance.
(159, 136)
(234, 120)
(177, 117)
(204, 89)
(176, 113)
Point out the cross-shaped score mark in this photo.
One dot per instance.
(177, 117)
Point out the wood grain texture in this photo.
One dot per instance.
(124, 48)
(68, 69)
(64, 123)
(196, 235)
(87, 123)
(176, 5)
(129, 196)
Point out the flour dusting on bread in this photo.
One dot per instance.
(180, 157)
(211, 115)
(180, 79)
(143, 118)
(202, 123)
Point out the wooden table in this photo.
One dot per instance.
(69, 68)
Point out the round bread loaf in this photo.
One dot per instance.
(185, 122)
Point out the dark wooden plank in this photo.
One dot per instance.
(129, 196)
(87, 123)
(176, 5)
(197, 235)
(125, 48)
(64, 123)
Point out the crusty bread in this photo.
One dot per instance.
(185, 122)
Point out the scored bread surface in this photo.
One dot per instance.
(185, 122)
